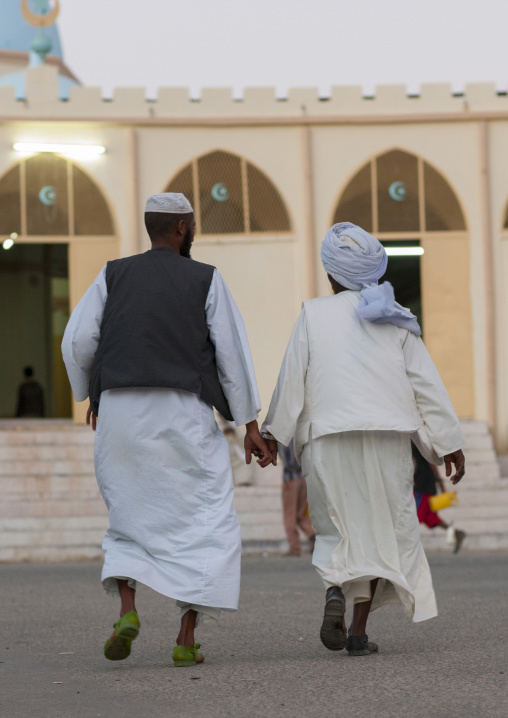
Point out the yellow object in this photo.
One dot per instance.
(442, 501)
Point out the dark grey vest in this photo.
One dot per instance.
(154, 331)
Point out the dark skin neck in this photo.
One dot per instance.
(337, 288)
(172, 241)
(166, 243)
(175, 238)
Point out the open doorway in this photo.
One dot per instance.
(34, 309)
(404, 273)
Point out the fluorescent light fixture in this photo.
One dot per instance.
(404, 251)
(7, 243)
(73, 150)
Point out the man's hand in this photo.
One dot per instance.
(456, 458)
(254, 444)
(272, 447)
(92, 416)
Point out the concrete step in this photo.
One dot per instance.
(52, 537)
(465, 511)
(480, 456)
(44, 468)
(47, 507)
(263, 532)
(45, 452)
(485, 497)
(473, 542)
(477, 472)
(45, 553)
(45, 485)
(479, 442)
(474, 427)
(478, 525)
(69, 436)
(85, 522)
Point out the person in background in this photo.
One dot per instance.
(30, 396)
(426, 480)
(294, 501)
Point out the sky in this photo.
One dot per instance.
(285, 43)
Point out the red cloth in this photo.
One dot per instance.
(424, 512)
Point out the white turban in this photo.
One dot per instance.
(357, 260)
(169, 203)
(353, 266)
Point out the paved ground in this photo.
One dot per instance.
(54, 619)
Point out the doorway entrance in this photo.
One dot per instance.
(404, 273)
(34, 309)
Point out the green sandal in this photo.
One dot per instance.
(186, 656)
(126, 630)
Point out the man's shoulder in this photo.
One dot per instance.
(333, 302)
(184, 263)
(201, 266)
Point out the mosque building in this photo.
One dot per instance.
(426, 174)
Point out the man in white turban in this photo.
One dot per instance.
(356, 385)
(155, 343)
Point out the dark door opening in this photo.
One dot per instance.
(404, 274)
(34, 309)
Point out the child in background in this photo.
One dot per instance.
(294, 501)
(426, 477)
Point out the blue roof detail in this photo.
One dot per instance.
(16, 34)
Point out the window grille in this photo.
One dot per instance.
(398, 192)
(46, 195)
(442, 210)
(230, 196)
(356, 202)
(10, 202)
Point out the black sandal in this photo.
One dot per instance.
(333, 632)
(360, 646)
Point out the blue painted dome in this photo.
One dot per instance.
(17, 34)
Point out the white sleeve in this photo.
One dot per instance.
(232, 352)
(441, 423)
(81, 336)
(289, 396)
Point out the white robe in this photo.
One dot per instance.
(163, 465)
(353, 393)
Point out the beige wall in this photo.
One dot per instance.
(446, 307)
(498, 136)
(266, 274)
(269, 279)
(86, 257)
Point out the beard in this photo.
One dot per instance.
(186, 244)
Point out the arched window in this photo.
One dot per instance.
(399, 192)
(46, 195)
(230, 196)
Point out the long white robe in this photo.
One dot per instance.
(353, 393)
(163, 465)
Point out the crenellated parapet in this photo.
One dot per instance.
(174, 105)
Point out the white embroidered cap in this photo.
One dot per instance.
(169, 203)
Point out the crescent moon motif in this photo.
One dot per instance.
(220, 192)
(37, 20)
(47, 195)
(397, 191)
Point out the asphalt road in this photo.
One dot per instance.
(265, 660)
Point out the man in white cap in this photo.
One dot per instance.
(356, 385)
(155, 343)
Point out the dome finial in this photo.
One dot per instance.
(46, 16)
